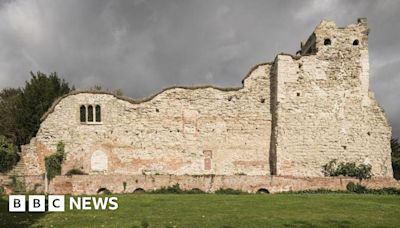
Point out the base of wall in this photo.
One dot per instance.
(22, 184)
(91, 184)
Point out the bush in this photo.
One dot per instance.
(75, 172)
(314, 191)
(387, 191)
(229, 191)
(8, 155)
(176, 189)
(349, 169)
(357, 188)
(170, 189)
(54, 162)
(194, 191)
(17, 186)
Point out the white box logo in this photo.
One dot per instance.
(56, 203)
(37, 203)
(16, 203)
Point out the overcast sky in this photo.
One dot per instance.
(142, 46)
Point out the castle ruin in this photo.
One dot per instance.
(288, 119)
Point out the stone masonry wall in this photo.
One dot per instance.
(85, 184)
(289, 119)
(180, 131)
(324, 109)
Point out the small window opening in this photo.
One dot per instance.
(262, 100)
(327, 42)
(98, 113)
(157, 110)
(298, 94)
(356, 42)
(83, 114)
(229, 98)
(369, 133)
(344, 147)
(90, 113)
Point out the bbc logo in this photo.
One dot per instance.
(36, 203)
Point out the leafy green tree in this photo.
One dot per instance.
(8, 154)
(37, 97)
(395, 145)
(21, 109)
(9, 106)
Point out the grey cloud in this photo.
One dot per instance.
(142, 46)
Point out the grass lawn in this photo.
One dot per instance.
(211, 210)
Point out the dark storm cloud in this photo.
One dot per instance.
(142, 46)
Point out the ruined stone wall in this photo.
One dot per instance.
(85, 184)
(324, 109)
(289, 119)
(179, 131)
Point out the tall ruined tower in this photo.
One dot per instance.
(323, 107)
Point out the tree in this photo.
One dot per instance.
(9, 105)
(37, 97)
(395, 145)
(21, 109)
(8, 154)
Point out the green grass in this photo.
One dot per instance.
(211, 210)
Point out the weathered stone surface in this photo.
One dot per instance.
(91, 184)
(290, 118)
(174, 133)
(324, 109)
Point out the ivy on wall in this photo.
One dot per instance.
(54, 162)
(349, 169)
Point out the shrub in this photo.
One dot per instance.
(176, 189)
(75, 172)
(388, 191)
(364, 171)
(170, 189)
(54, 162)
(357, 188)
(194, 191)
(17, 186)
(229, 191)
(349, 169)
(8, 155)
(314, 191)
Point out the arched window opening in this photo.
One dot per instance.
(98, 113)
(356, 42)
(90, 113)
(83, 113)
(327, 42)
